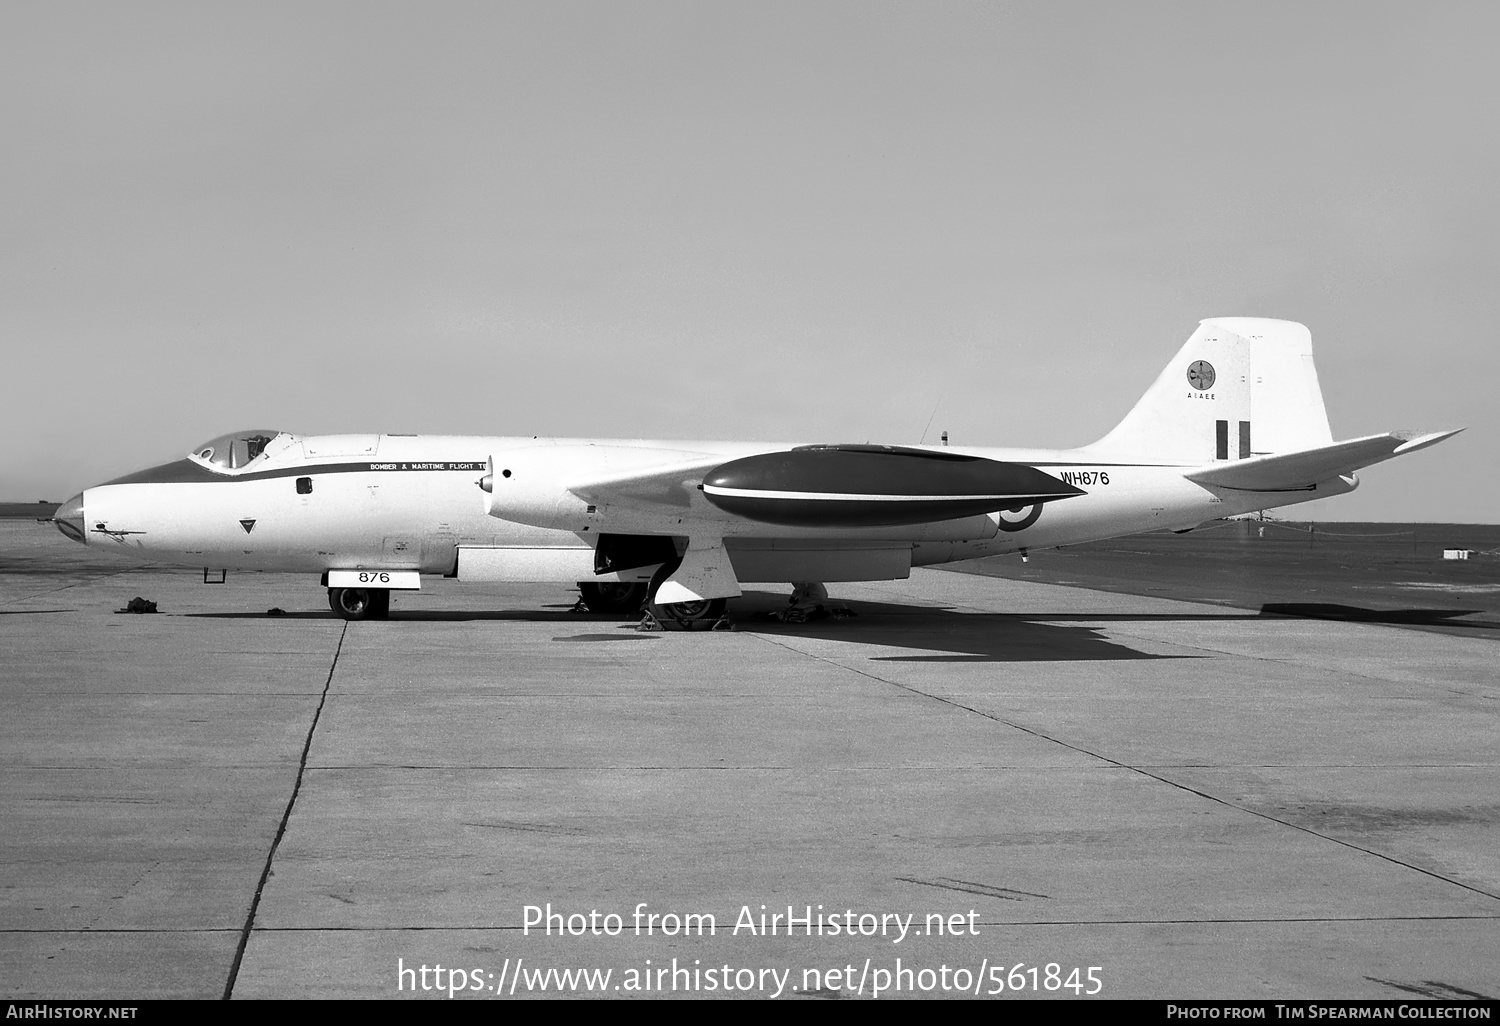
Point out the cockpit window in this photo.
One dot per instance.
(235, 450)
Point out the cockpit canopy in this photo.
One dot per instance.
(236, 449)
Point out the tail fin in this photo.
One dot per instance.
(1239, 387)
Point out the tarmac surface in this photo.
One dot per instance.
(1199, 800)
(1369, 573)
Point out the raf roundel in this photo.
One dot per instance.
(1201, 375)
(1019, 518)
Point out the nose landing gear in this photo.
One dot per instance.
(360, 603)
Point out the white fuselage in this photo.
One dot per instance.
(403, 502)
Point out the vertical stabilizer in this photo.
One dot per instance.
(1239, 387)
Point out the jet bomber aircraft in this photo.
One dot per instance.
(1234, 424)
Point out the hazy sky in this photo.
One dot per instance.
(803, 221)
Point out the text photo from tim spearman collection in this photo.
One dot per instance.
(884, 971)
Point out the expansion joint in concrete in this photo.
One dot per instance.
(1158, 777)
(286, 816)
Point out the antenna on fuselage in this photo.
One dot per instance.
(930, 419)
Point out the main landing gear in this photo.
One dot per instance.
(703, 615)
(613, 597)
(360, 603)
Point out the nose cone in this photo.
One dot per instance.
(69, 519)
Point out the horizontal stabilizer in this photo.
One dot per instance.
(1300, 471)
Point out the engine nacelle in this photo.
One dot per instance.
(529, 486)
(532, 484)
(862, 486)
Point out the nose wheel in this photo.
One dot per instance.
(360, 603)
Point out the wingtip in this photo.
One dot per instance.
(1414, 440)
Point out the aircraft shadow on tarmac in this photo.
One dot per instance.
(951, 635)
(956, 637)
(557, 614)
(1358, 614)
(1439, 618)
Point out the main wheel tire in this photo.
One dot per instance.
(689, 616)
(681, 616)
(613, 597)
(353, 603)
(381, 600)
